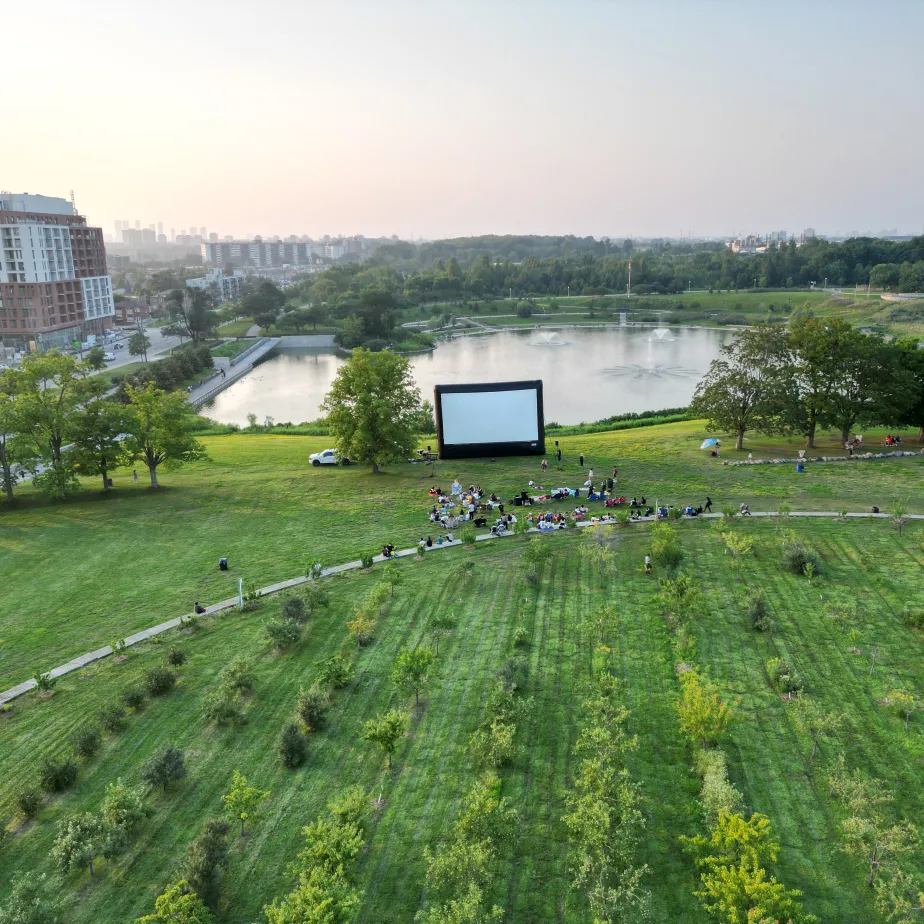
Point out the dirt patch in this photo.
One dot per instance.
(46, 694)
(683, 668)
(855, 651)
(120, 659)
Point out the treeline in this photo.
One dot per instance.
(817, 373)
(167, 374)
(58, 423)
(447, 271)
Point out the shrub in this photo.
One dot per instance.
(675, 513)
(717, 794)
(87, 742)
(783, 677)
(29, 801)
(58, 775)
(914, 617)
(282, 633)
(521, 636)
(312, 707)
(176, 657)
(514, 674)
(133, 698)
(800, 560)
(622, 517)
(468, 536)
(366, 559)
(159, 680)
(335, 672)
(222, 707)
(112, 718)
(238, 675)
(292, 747)
(251, 595)
(665, 547)
(293, 608)
(205, 856)
(759, 612)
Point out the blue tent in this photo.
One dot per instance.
(708, 444)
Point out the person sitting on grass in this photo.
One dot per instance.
(199, 608)
(744, 510)
(449, 537)
(388, 550)
(649, 511)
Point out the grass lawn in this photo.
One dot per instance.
(77, 574)
(232, 348)
(432, 769)
(236, 328)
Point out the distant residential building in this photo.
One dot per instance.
(808, 233)
(334, 251)
(55, 286)
(224, 287)
(256, 253)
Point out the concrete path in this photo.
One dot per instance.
(83, 660)
(253, 330)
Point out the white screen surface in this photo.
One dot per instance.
(490, 416)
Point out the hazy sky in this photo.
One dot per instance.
(441, 119)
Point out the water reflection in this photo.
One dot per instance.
(588, 374)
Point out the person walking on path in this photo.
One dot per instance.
(708, 507)
(581, 463)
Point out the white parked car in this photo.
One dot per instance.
(109, 357)
(328, 457)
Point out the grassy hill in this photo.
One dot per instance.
(78, 574)
(433, 768)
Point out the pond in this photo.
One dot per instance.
(588, 374)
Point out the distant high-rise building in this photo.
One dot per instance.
(213, 237)
(808, 233)
(118, 229)
(173, 234)
(160, 228)
(137, 225)
(55, 288)
(203, 232)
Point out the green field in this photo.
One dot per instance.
(99, 567)
(232, 348)
(769, 761)
(236, 328)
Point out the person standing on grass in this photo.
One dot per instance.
(558, 454)
(590, 475)
(581, 463)
(615, 473)
(647, 564)
(544, 466)
(135, 475)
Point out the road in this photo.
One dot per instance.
(160, 343)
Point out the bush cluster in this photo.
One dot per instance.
(168, 374)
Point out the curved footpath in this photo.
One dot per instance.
(104, 652)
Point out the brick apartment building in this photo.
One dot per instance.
(54, 284)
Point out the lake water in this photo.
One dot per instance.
(587, 374)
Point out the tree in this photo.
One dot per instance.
(737, 393)
(704, 715)
(393, 577)
(815, 721)
(735, 886)
(904, 704)
(123, 810)
(441, 623)
(178, 905)
(165, 767)
(80, 840)
(161, 430)
(315, 315)
(96, 434)
(913, 360)
(139, 344)
(206, 855)
(191, 315)
(34, 899)
(865, 832)
(96, 358)
(385, 732)
(10, 453)
(242, 800)
(371, 406)
(411, 670)
(49, 387)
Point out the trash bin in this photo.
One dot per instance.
(222, 564)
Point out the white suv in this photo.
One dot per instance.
(328, 457)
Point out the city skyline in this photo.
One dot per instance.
(589, 119)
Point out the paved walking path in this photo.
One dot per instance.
(104, 652)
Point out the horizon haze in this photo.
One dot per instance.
(428, 120)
